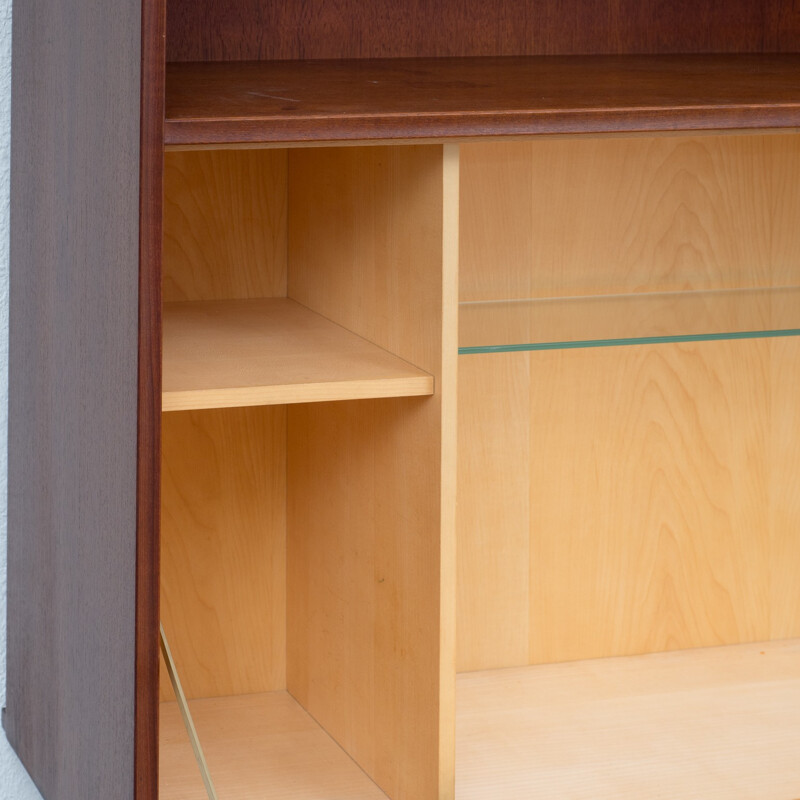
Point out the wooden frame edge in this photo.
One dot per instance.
(149, 399)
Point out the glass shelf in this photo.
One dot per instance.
(505, 326)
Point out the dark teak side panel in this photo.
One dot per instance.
(72, 506)
(219, 30)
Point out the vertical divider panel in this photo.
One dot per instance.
(449, 379)
(371, 491)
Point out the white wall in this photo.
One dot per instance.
(14, 781)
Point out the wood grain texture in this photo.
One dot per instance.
(662, 540)
(366, 243)
(223, 556)
(784, 466)
(258, 746)
(73, 371)
(367, 494)
(642, 496)
(213, 30)
(567, 218)
(716, 724)
(148, 479)
(438, 98)
(494, 514)
(656, 494)
(265, 352)
(224, 225)
(363, 584)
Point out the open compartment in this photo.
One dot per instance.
(618, 611)
(609, 606)
(619, 502)
(301, 576)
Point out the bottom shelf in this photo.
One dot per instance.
(258, 747)
(721, 722)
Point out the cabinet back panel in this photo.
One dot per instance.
(643, 504)
(224, 472)
(593, 216)
(784, 509)
(223, 549)
(214, 30)
(224, 224)
(629, 500)
(640, 496)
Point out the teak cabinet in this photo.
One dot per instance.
(430, 371)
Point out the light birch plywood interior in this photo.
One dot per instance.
(359, 488)
(626, 500)
(223, 549)
(263, 746)
(611, 501)
(600, 216)
(225, 224)
(370, 522)
(643, 500)
(223, 505)
(705, 724)
(271, 351)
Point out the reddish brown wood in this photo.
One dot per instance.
(205, 30)
(149, 401)
(408, 98)
(783, 26)
(72, 470)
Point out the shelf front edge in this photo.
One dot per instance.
(461, 126)
(422, 385)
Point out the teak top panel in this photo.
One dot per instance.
(243, 102)
(228, 30)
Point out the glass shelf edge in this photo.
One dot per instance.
(625, 342)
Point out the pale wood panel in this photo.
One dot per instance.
(784, 462)
(593, 216)
(265, 352)
(494, 529)
(263, 747)
(497, 251)
(224, 225)
(451, 162)
(662, 513)
(663, 506)
(703, 724)
(369, 584)
(365, 243)
(363, 584)
(649, 498)
(493, 522)
(223, 520)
